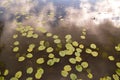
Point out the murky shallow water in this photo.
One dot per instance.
(105, 37)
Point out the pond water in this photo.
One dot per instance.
(59, 40)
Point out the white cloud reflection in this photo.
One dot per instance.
(101, 11)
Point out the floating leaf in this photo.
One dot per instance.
(57, 41)
(62, 53)
(42, 42)
(39, 73)
(16, 43)
(118, 64)
(40, 70)
(68, 36)
(40, 48)
(118, 72)
(73, 76)
(35, 35)
(15, 49)
(77, 54)
(50, 62)
(78, 50)
(6, 72)
(79, 68)
(82, 37)
(13, 78)
(55, 36)
(115, 77)
(29, 70)
(90, 76)
(18, 74)
(2, 78)
(81, 46)
(32, 46)
(21, 58)
(75, 43)
(49, 49)
(64, 73)
(88, 51)
(51, 55)
(94, 53)
(29, 78)
(15, 36)
(56, 59)
(49, 34)
(78, 59)
(29, 55)
(111, 58)
(93, 46)
(84, 64)
(40, 61)
(67, 68)
(72, 60)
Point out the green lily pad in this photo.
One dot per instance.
(78, 59)
(94, 53)
(16, 43)
(73, 76)
(93, 46)
(40, 61)
(81, 46)
(13, 78)
(79, 68)
(49, 49)
(115, 77)
(118, 72)
(15, 36)
(40, 48)
(51, 55)
(89, 51)
(15, 49)
(77, 54)
(64, 73)
(29, 70)
(67, 68)
(6, 72)
(21, 58)
(72, 60)
(49, 34)
(50, 62)
(111, 58)
(75, 43)
(90, 76)
(62, 53)
(29, 78)
(57, 41)
(18, 74)
(2, 78)
(29, 55)
(118, 64)
(84, 64)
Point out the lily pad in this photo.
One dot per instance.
(64, 73)
(40, 61)
(84, 64)
(79, 68)
(73, 76)
(67, 68)
(29, 70)
(18, 74)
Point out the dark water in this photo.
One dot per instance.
(105, 36)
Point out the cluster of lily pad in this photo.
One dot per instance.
(72, 48)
